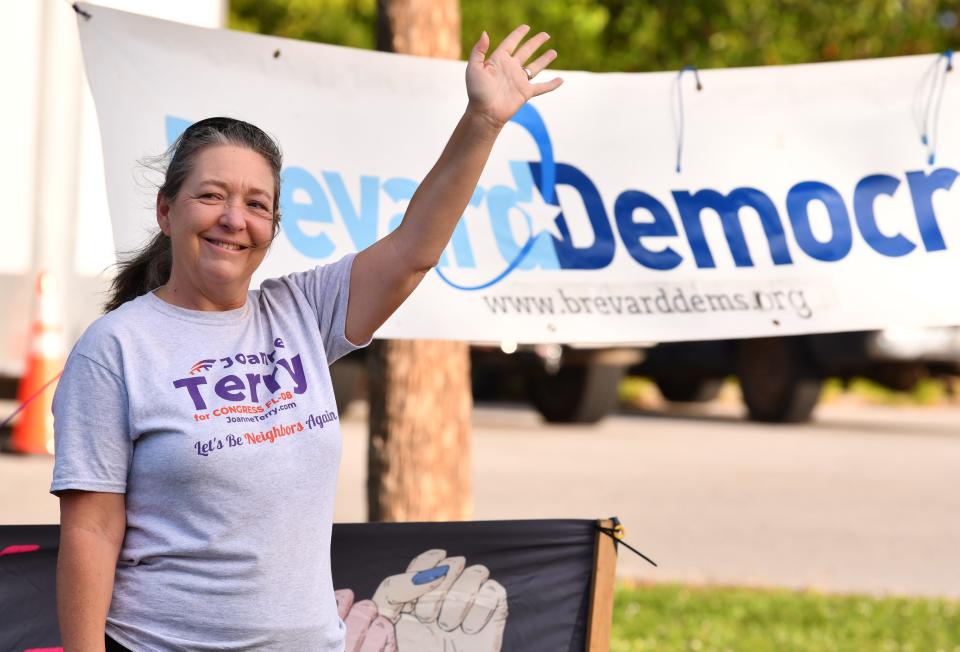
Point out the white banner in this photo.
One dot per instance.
(807, 200)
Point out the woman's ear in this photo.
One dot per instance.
(163, 213)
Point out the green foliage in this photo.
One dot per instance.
(339, 22)
(927, 391)
(670, 617)
(627, 35)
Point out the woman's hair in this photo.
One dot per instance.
(148, 268)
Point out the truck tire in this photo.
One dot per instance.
(576, 393)
(679, 389)
(778, 382)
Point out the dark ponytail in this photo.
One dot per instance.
(146, 270)
(149, 268)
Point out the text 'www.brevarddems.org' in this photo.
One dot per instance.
(662, 301)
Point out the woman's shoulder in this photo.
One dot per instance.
(325, 277)
(107, 333)
(123, 316)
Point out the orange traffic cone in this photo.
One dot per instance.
(34, 430)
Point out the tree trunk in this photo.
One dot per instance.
(419, 461)
(425, 28)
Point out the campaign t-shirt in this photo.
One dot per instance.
(222, 430)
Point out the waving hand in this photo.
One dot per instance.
(498, 83)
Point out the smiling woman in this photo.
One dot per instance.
(238, 152)
(220, 225)
(177, 521)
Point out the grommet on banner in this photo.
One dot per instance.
(679, 125)
(617, 533)
(927, 114)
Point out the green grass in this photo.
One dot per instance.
(674, 618)
(927, 391)
(642, 392)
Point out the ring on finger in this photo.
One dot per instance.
(528, 72)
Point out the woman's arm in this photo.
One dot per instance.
(92, 525)
(385, 273)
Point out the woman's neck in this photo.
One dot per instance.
(188, 296)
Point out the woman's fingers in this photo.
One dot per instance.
(486, 72)
(541, 62)
(538, 66)
(513, 39)
(546, 87)
(532, 44)
(479, 52)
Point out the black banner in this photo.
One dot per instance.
(482, 586)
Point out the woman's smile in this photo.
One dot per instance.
(224, 245)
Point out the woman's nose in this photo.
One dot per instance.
(232, 216)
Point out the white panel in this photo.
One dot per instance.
(19, 66)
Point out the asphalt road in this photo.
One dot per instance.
(865, 499)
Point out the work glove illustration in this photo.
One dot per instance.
(438, 605)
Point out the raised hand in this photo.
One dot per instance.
(498, 84)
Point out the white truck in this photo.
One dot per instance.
(780, 377)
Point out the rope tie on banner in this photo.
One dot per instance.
(86, 14)
(926, 113)
(617, 532)
(678, 124)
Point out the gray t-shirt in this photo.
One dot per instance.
(222, 431)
